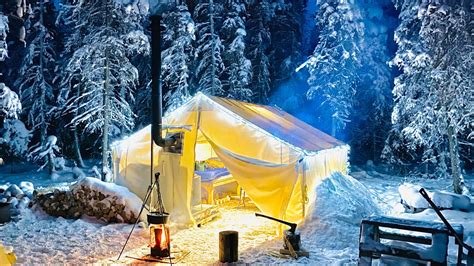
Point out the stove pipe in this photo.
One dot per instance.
(156, 91)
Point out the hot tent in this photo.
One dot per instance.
(276, 158)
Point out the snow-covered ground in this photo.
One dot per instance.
(40, 239)
(15, 173)
(330, 235)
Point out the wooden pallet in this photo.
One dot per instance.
(205, 213)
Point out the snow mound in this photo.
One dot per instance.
(342, 198)
(120, 194)
(411, 197)
(333, 220)
(27, 187)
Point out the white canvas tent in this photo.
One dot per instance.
(276, 158)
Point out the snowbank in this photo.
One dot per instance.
(331, 227)
(412, 198)
(120, 195)
(342, 198)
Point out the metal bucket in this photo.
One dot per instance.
(5, 215)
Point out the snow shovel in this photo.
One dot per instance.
(470, 254)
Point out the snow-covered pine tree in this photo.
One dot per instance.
(433, 95)
(99, 74)
(36, 75)
(13, 14)
(10, 105)
(177, 58)
(238, 69)
(142, 106)
(14, 137)
(258, 40)
(373, 100)
(141, 60)
(75, 21)
(408, 40)
(3, 37)
(138, 44)
(68, 20)
(335, 61)
(46, 155)
(209, 65)
(285, 49)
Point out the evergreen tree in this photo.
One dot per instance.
(373, 99)
(141, 61)
(3, 37)
(209, 65)
(258, 39)
(36, 77)
(433, 95)
(68, 20)
(285, 49)
(100, 100)
(13, 14)
(238, 69)
(14, 137)
(335, 61)
(178, 56)
(10, 105)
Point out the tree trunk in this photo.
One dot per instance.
(105, 129)
(458, 181)
(77, 148)
(50, 163)
(213, 48)
(374, 145)
(43, 128)
(77, 144)
(333, 126)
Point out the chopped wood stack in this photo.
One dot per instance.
(58, 204)
(83, 200)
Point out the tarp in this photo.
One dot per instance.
(269, 153)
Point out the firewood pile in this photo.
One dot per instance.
(59, 204)
(82, 200)
(103, 206)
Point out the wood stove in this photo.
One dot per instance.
(159, 234)
(159, 228)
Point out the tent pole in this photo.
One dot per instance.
(303, 190)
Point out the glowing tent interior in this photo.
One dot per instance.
(274, 157)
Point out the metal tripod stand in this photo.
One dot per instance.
(148, 194)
